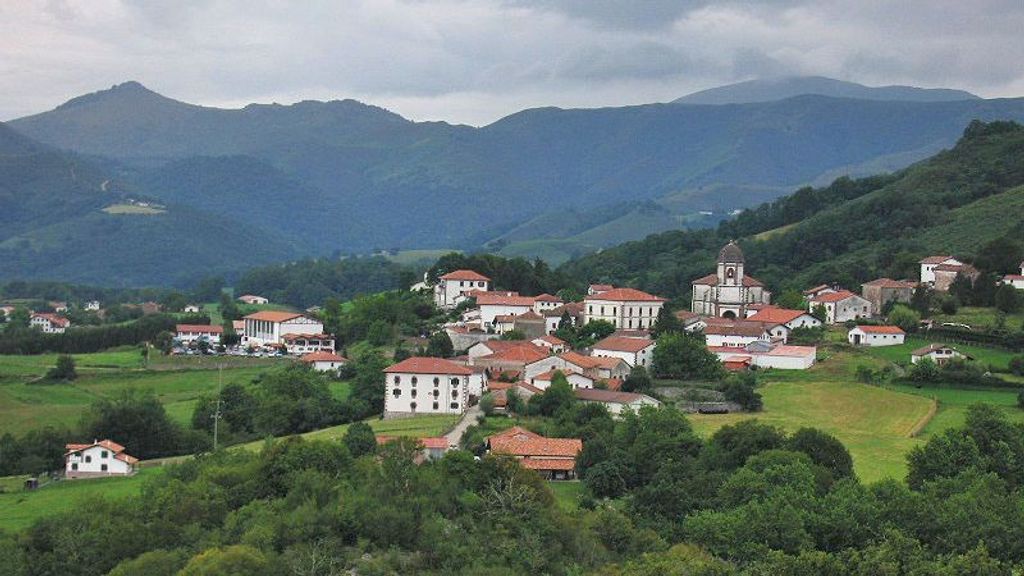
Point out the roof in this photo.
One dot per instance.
(731, 253)
(956, 268)
(518, 441)
(686, 316)
(625, 295)
(935, 259)
(290, 337)
(1013, 277)
(547, 376)
(888, 283)
(880, 329)
(620, 344)
(435, 443)
(108, 444)
(740, 328)
(549, 339)
(273, 316)
(547, 298)
(52, 318)
(125, 458)
(579, 359)
(465, 275)
(571, 308)
(526, 354)
(492, 299)
(834, 296)
(238, 325)
(777, 315)
(601, 287)
(548, 463)
(794, 351)
(208, 328)
(816, 289)
(933, 347)
(531, 315)
(322, 356)
(712, 280)
(502, 345)
(608, 396)
(425, 365)
(613, 383)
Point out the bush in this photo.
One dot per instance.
(1017, 365)
(487, 404)
(904, 317)
(740, 389)
(924, 371)
(64, 370)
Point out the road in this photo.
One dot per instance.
(454, 437)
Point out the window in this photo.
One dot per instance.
(455, 393)
(412, 405)
(74, 466)
(414, 380)
(455, 381)
(480, 284)
(398, 379)
(435, 405)
(436, 382)
(103, 467)
(413, 393)
(88, 459)
(396, 392)
(103, 454)
(455, 405)
(437, 393)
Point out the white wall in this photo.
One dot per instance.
(544, 365)
(92, 461)
(450, 398)
(869, 339)
(625, 315)
(641, 358)
(448, 293)
(489, 311)
(729, 340)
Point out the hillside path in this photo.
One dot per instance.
(454, 437)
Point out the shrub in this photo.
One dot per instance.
(64, 370)
(1017, 365)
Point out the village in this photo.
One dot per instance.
(506, 349)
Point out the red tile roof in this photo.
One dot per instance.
(425, 365)
(491, 299)
(201, 328)
(620, 344)
(880, 329)
(53, 318)
(935, 259)
(739, 328)
(625, 295)
(888, 283)
(967, 268)
(520, 442)
(322, 356)
(547, 376)
(833, 296)
(273, 316)
(530, 315)
(547, 298)
(471, 275)
(613, 384)
(579, 359)
(816, 289)
(552, 340)
(712, 280)
(520, 354)
(563, 464)
(108, 444)
(435, 443)
(777, 315)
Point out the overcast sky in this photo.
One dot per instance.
(474, 61)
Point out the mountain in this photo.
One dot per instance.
(850, 232)
(68, 218)
(770, 89)
(347, 176)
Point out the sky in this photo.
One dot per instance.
(475, 61)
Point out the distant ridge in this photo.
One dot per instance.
(771, 89)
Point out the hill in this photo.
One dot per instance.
(769, 89)
(851, 231)
(66, 217)
(366, 178)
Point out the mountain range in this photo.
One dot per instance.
(315, 178)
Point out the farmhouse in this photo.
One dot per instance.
(252, 299)
(324, 361)
(599, 368)
(623, 308)
(768, 355)
(552, 458)
(735, 334)
(635, 351)
(514, 359)
(452, 288)
(938, 353)
(840, 306)
(92, 305)
(546, 302)
(49, 323)
(188, 333)
(876, 336)
(884, 290)
(616, 402)
(1015, 280)
(782, 321)
(192, 308)
(269, 327)
(729, 290)
(420, 385)
(494, 304)
(576, 380)
(101, 458)
(929, 264)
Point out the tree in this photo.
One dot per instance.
(605, 480)
(1000, 256)
(667, 322)
(360, 439)
(824, 450)
(440, 345)
(20, 317)
(684, 356)
(638, 381)
(487, 404)
(1007, 299)
(236, 560)
(513, 335)
(209, 289)
(1020, 398)
(556, 398)
(64, 370)
(820, 312)
(921, 300)
(379, 333)
(136, 421)
(740, 389)
(791, 300)
(1017, 365)
(906, 318)
(924, 371)
(164, 342)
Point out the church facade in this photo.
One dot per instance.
(729, 291)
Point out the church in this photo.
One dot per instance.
(729, 291)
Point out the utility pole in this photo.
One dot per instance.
(216, 412)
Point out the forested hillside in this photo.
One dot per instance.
(851, 231)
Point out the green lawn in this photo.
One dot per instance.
(979, 317)
(567, 494)
(953, 403)
(998, 359)
(414, 427)
(20, 508)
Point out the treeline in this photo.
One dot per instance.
(515, 274)
(749, 501)
(83, 340)
(311, 282)
(66, 292)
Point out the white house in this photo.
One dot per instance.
(599, 368)
(1015, 280)
(768, 355)
(635, 351)
(616, 402)
(876, 336)
(494, 304)
(421, 385)
(92, 305)
(299, 344)
(939, 353)
(49, 323)
(270, 327)
(193, 308)
(252, 299)
(101, 458)
(188, 333)
(841, 306)
(625, 308)
(576, 380)
(324, 361)
(452, 288)
(553, 343)
(792, 319)
(728, 291)
(735, 335)
(546, 302)
(929, 264)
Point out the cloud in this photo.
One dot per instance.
(476, 60)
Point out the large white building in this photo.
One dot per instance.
(421, 385)
(635, 351)
(187, 333)
(768, 355)
(736, 335)
(841, 306)
(452, 288)
(625, 308)
(507, 304)
(876, 336)
(49, 323)
(729, 290)
(101, 458)
(269, 327)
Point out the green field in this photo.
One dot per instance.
(980, 317)
(953, 403)
(567, 494)
(20, 509)
(998, 359)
